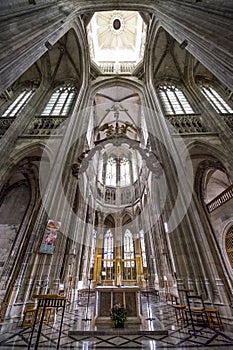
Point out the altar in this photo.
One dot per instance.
(108, 296)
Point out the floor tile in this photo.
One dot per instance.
(179, 336)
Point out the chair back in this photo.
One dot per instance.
(195, 302)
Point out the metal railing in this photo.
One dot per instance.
(222, 198)
(117, 67)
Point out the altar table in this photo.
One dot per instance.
(109, 296)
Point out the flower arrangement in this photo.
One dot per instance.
(118, 315)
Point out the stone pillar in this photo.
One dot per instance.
(204, 29)
(195, 252)
(97, 277)
(138, 259)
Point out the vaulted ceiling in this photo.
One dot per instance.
(116, 36)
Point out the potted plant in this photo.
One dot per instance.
(99, 284)
(118, 315)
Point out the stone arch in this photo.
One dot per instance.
(209, 158)
(126, 220)
(109, 98)
(109, 221)
(25, 173)
(119, 81)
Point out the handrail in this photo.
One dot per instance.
(222, 198)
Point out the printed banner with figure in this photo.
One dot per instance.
(50, 236)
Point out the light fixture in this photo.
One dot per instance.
(184, 44)
(48, 45)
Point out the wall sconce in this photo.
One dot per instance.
(184, 44)
(48, 45)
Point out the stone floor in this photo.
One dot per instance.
(180, 336)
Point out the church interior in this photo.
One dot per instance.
(116, 170)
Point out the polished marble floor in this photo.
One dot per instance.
(179, 336)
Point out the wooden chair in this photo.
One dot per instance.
(49, 315)
(179, 308)
(28, 316)
(196, 311)
(30, 312)
(214, 318)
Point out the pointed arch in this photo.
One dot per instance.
(108, 249)
(129, 253)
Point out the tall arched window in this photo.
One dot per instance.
(108, 252)
(60, 102)
(229, 245)
(173, 100)
(111, 172)
(215, 99)
(128, 249)
(124, 172)
(118, 169)
(19, 103)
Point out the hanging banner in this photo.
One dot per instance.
(50, 237)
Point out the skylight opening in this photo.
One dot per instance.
(116, 40)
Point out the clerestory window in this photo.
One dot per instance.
(173, 100)
(18, 104)
(215, 99)
(128, 249)
(118, 172)
(125, 179)
(108, 249)
(111, 172)
(60, 102)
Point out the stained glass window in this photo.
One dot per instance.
(19, 103)
(173, 100)
(128, 249)
(215, 99)
(60, 102)
(118, 166)
(124, 172)
(108, 249)
(111, 172)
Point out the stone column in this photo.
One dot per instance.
(138, 259)
(204, 29)
(190, 240)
